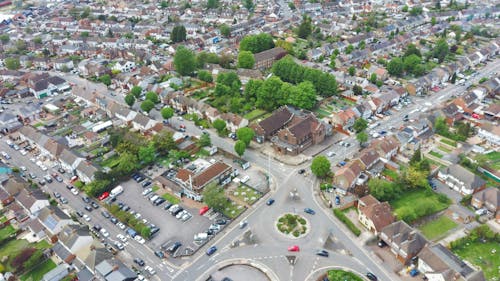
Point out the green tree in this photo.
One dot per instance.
(130, 100)
(152, 96)
(184, 61)
(163, 142)
(12, 63)
(225, 30)
(441, 50)
(416, 158)
(178, 34)
(105, 79)
(248, 4)
(416, 10)
(395, 67)
(349, 49)
(305, 27)
(257, 43)
(240, 147)
(405, 9)
(291, 6)
(411, 49)
(245, 134)
(433, 21)
(205, 76)
(410, 63)
(136, 91)
(147, 105)
(146, 232)
(320, 166)
(213, 196)
(4, 38)
(270, 94)
(212, 4)
(34, 259)
(163, 4)
(127, 162)
(204, 140)
(360, 125)
(146, 154)
(167, 113)
(362, 137)
(383, 190)
(357, 90)
(373, 78)
(352, 70)
(303, 96)
(219, 125)
(246, 59)
(454, 78)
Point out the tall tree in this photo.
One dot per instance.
(184, 61)
(240, 147)
(249, 5)
(152, 96)
(130, 100)
(212, 4)
(204, 140)
(167, 113)
(12, 63)
(146, 154)
(219, 125)
(205, 76)
(257, 43)
(105, 79)
(213, 196)
(395, 67)
(147, 105)
(178, 34)
(441, 50)
(305, 27)
(303, 96)
(136, 91)
(411, 49)
(245, 134)
(246, 59)
(360, 125)
(352, 70)
(320, 166)
(225, 30)
(163, 142)
(362, 137)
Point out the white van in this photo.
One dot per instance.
(245, 179)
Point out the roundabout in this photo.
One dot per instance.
(293, 226)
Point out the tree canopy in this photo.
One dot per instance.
(257, 43)
(205, 76)
(246, 59)
(320, 166)
(152, 96)
(219, 125)
(167, 113)
(129, 99)
(305, 27)
(225, 30)
(136, 91)
(184, 61)
(178, 34)
(240, 147)
(147, 105)
(14, 64)
(360, 125)
(245, 134)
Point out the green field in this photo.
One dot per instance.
(37, 273)
(449, 142)
(171, 198)
(233, 210)
(436, 154)
(444, 149)
(484, 255)
(246, 194)
(13, 248)
(6, 231)
(435, 228)
(494, 160)
(390, 173)
(417, 203)
(254, 114)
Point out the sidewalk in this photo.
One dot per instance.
(293, 160)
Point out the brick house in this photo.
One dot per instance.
(404, 241)
(373, 214)
(346, 177)
(461, 180)
(268, 127)
(488, 198)
(266, 58)
(299, 135)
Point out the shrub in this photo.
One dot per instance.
(304, 229)
(442, 198)
(78, 184)
(342, 217)
(302, 221)
(296, 233)
(22, 257)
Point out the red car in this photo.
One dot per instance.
(203, 210)
(104, 196)
(293, 248)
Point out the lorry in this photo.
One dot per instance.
(116, 191)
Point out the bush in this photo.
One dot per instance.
(78, 184)
(302, 221)
(296, 233)
(304, 229)
(342, 217)
(443, 199)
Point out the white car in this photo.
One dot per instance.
(122, 237)
(23, 168)
(121, 225)
(23, 152)
(330, 154)
(43, 167)
(33, 160)
(119, 246)
(150, 270)
(104, 232)
(137, 215)
(74, 191)
(139, 239)
(86, 217)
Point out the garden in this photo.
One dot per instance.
(417, 203)
(481, 248)
(232, 209)
(438, 227)
(246, 194)
(291, 224)
(15, 255)
(336, 274)
(39, 271)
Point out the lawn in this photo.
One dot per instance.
(418, 203)
(449, 142)
(233, 210)
(436, 154)
(6, 231)
(336, 274)
(436, 228)
(444, 149)
(484, 255)
(390, 173)
(246, 194)
(494, 160)
(322, 113)
(37, 273)
(110, 162)
(12, 248)
(252, 115)
(171, 198)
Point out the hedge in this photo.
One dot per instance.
(342, 217)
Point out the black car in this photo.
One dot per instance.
(105, 214)
(301, 171)
(146, 184)
(86, 199)
(78, 213)
(221, 221)
(97, 227)
(174, 247)
(167, 206)
(177, 211)
(61, 170)
(125, 208)
(159, 254)
(159, 201)
(113, 220)
(371, 276)
(322, 253)
(139, 261)
(120, 205)
(381, 244)
(94, 205)
(270, 202)
(88, 208)
(154, 230)
(69, 187)
(57, 194)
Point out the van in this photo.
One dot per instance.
(245, 179)
(201, 237)
(116, 191)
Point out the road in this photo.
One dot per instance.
(270, 247)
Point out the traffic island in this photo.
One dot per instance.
(292, 225)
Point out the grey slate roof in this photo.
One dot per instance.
(465, 176)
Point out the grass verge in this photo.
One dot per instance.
(171, 198)
(344, 219)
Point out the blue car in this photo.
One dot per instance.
(337, 200)
(211, 250)
(309, 211)
(383, 133)
(270, 202)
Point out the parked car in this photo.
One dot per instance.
(74, 191)
(94, 205)
(174, 247)
(337, 200)
(78, 213)
(147, 191)
(270, 202)
(243, 223)
(103, 196)
(203, 210)
(139, 262)
(63, 200)
(301, 171)
(88, 208)
(105, 214)
(86, 217)
(159, 254)
(221, 221)
(57, 194)
(122, 238)
(371, 276)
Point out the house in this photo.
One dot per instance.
(76, 239)
(268, 127)
(121, 112)
(265, 59)
(299, 134)
(58, 273)
(63, 64)
(369, 157)
(488, 198)
(489, 133)
(404, 241)
(54, 219)
(53, 148)
(387, 147)
(85, 171)
(193, 183)
(438, 263)
(492, 112)
(32, 201)
(461, 179)
(124, 66)
(9, 122)
(143, 123)
(373, 214)
(346, 177)
(69, 161)
(344, 119)
(233, 121)
(461, 215)
(34, 230)
(114, 270)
